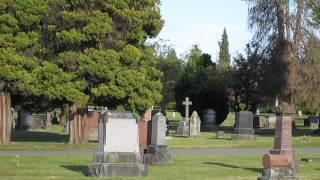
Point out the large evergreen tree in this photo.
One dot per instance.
(26, 78)
(103, 42)
(224, 55)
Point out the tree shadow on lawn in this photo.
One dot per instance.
(37, 136)
(79, 169)
(232, 166)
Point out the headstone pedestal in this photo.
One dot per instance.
(118, 147)
(157, 151)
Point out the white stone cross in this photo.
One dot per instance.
(187, 103)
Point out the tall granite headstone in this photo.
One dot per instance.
(143, 135)
(244, 126)
(279, 163)
(118, 146)
(93, 118)
(157, 152)
(195, 124)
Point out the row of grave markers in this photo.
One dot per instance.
(119, 154)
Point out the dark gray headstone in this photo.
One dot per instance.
(244, 126)
(209, 120)
(244, 123)
(25, 121)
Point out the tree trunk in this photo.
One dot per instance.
(64, 117)
(78, 125)
(5, 117)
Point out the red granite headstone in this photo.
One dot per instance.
(283, 136)
(143, 135)
(93, 118)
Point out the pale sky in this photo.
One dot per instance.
(201, 22)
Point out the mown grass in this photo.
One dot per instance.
(55, 139)
(184, 167)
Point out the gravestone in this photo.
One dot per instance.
(283, 135)
(209, 120)
(279, 163)
(183, 128)
(256, 122)
(271, 121)
(157, 152)
(118, 146)
(143, 135)
(244, 126)
(313, 122)
(25, 121)
(220, 134)
(93, 118)
(195, 124)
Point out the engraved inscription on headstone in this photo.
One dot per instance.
(283, 134)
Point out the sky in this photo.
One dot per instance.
(189, 22)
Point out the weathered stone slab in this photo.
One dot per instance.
(220, 134)
(195, 124)
(157, 152)
(183, 128)
(118, 146)
(244, 126)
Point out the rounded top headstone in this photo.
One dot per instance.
(209, 111)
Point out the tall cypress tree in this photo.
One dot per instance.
(224, 56)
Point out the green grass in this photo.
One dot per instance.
(265, 138)
(40, 139)
(184, 167)
(55, 139)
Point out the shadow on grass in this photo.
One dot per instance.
(232, 166)
(36, 136)
(79, 169)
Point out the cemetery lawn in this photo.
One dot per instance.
(186, 167)
(264, 138)
(55, 139)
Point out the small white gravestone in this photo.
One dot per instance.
(121, 133)
(195, 124)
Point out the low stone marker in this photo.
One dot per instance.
(278, 164)
(220, 134)
(157, 152)
(313, 122)
(118, 146)
(244, 126)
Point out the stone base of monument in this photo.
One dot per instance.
(117, 164)
(277, 174)
(209, 127)
(183, 129)
(243, 137)
(157, 155)
(243, 134)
